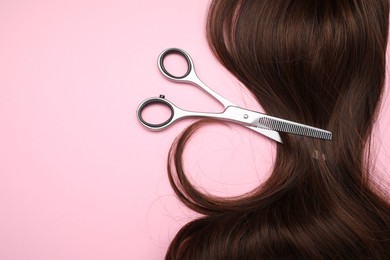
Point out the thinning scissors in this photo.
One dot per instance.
(264, 124)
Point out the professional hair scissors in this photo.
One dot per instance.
(264, 124)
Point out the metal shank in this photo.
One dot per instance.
(190, 76)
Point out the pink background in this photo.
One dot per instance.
(80, 178)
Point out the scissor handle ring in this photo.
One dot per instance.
(182, 53)
(150, 102)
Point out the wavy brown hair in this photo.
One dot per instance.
(320, 63)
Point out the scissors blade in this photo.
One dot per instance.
(281, 125)
(267, 132)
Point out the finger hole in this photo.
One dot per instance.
(175, 64)
(155, 113)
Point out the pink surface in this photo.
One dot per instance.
(80, 178)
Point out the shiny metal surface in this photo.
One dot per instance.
(259, 122)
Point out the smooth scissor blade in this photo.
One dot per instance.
(267, 132)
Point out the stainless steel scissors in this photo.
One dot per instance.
(264, 124)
